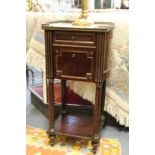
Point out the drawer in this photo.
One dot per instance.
(73, 63)
(77, 38)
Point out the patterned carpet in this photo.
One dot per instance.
(37, 143)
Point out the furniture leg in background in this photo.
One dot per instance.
(63, 94)
(27, 75)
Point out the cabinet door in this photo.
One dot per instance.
(74, 63)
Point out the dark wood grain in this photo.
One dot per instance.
(97, 115)
(76, 125)
(103, 99)
(80, 66)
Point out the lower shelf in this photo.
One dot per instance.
(43, 108)
(75, 125)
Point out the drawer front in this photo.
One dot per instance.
(74, 63)
(81, 38)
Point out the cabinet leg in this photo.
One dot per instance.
(63, 90)
(95, 146)
(103, 101)
(51, 136)
(52, 140)
(97, 110)
(50, 99)
(97, 116)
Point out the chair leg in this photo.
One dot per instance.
(27, 75)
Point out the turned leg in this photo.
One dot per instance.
(97, 116)
(52, 137)
(63, 90)
(95, 146)
(50, 99)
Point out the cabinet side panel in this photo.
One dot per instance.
(48, 54)
(100, 57)
(107, 54)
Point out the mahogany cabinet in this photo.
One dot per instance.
(83, 54)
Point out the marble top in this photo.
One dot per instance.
(97, 26)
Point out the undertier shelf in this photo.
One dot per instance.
(75, 125)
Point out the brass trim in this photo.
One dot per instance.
(107, 70)
(75, 77)
(48, 81)
(66, 45)
(75, 41)
(89, 75)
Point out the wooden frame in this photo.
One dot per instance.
(70, 124)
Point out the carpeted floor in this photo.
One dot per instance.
(37, 142)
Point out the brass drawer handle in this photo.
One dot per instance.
(73, 55)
